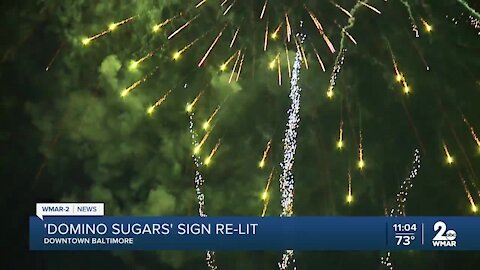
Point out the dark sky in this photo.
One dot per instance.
(68, 135)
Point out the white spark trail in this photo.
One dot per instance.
(287, 182)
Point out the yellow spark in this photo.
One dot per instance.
(349, 198)
(197, 148)
(176, 55)
(224, 66)
(274, 35)
(134, 64)
(190, 106)
(349, 194)
(398, 77)
(179, 53)
(234, 37)
(406, 89)
(265, 194)
(206, 124)
(182, 27)
(330, 92)
(271, 65)
(263, 9)
(361, 162)
(210, 48)
(86, 41)
(208, 160)
(159, 102)
(448, 157)
(340, 143)
(261, 164)
(159, 26)
(129, 89)
(111, 27)
(427, 26)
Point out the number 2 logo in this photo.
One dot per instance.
(442, 234)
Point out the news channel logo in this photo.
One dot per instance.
(444, 236)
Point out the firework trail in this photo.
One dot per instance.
(199, 181)
(401, 201)
(289, 147)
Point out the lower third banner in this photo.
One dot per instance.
(254, 233)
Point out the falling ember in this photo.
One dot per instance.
(361, 162)
(190, 106)
(228, 8)
(288, 62)
(206, 124)
(158, 103)
(279, 70)
(336, 70)
(319, 27)
(157, 27)
(274, 35)
(448, 157)
(349, 194)
(110, 29)
(234, 37)
(288, 28)
(371, 7)
(198, 147)
(208, 160)
(265, 194)
(319, 59)
(261, 164)
(427, 26)
(340, 143)
(472, 131)
(132, 87)
(240, 68)
(210, 48)
(179, 53)
(185, 25)
(263, 9)
(342, 9)
(239, 55)
(200, 3)
(350, 36)
(265, 41)
(473, 206)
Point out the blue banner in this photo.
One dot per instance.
(255, 233)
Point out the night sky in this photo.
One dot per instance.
(68, 135)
